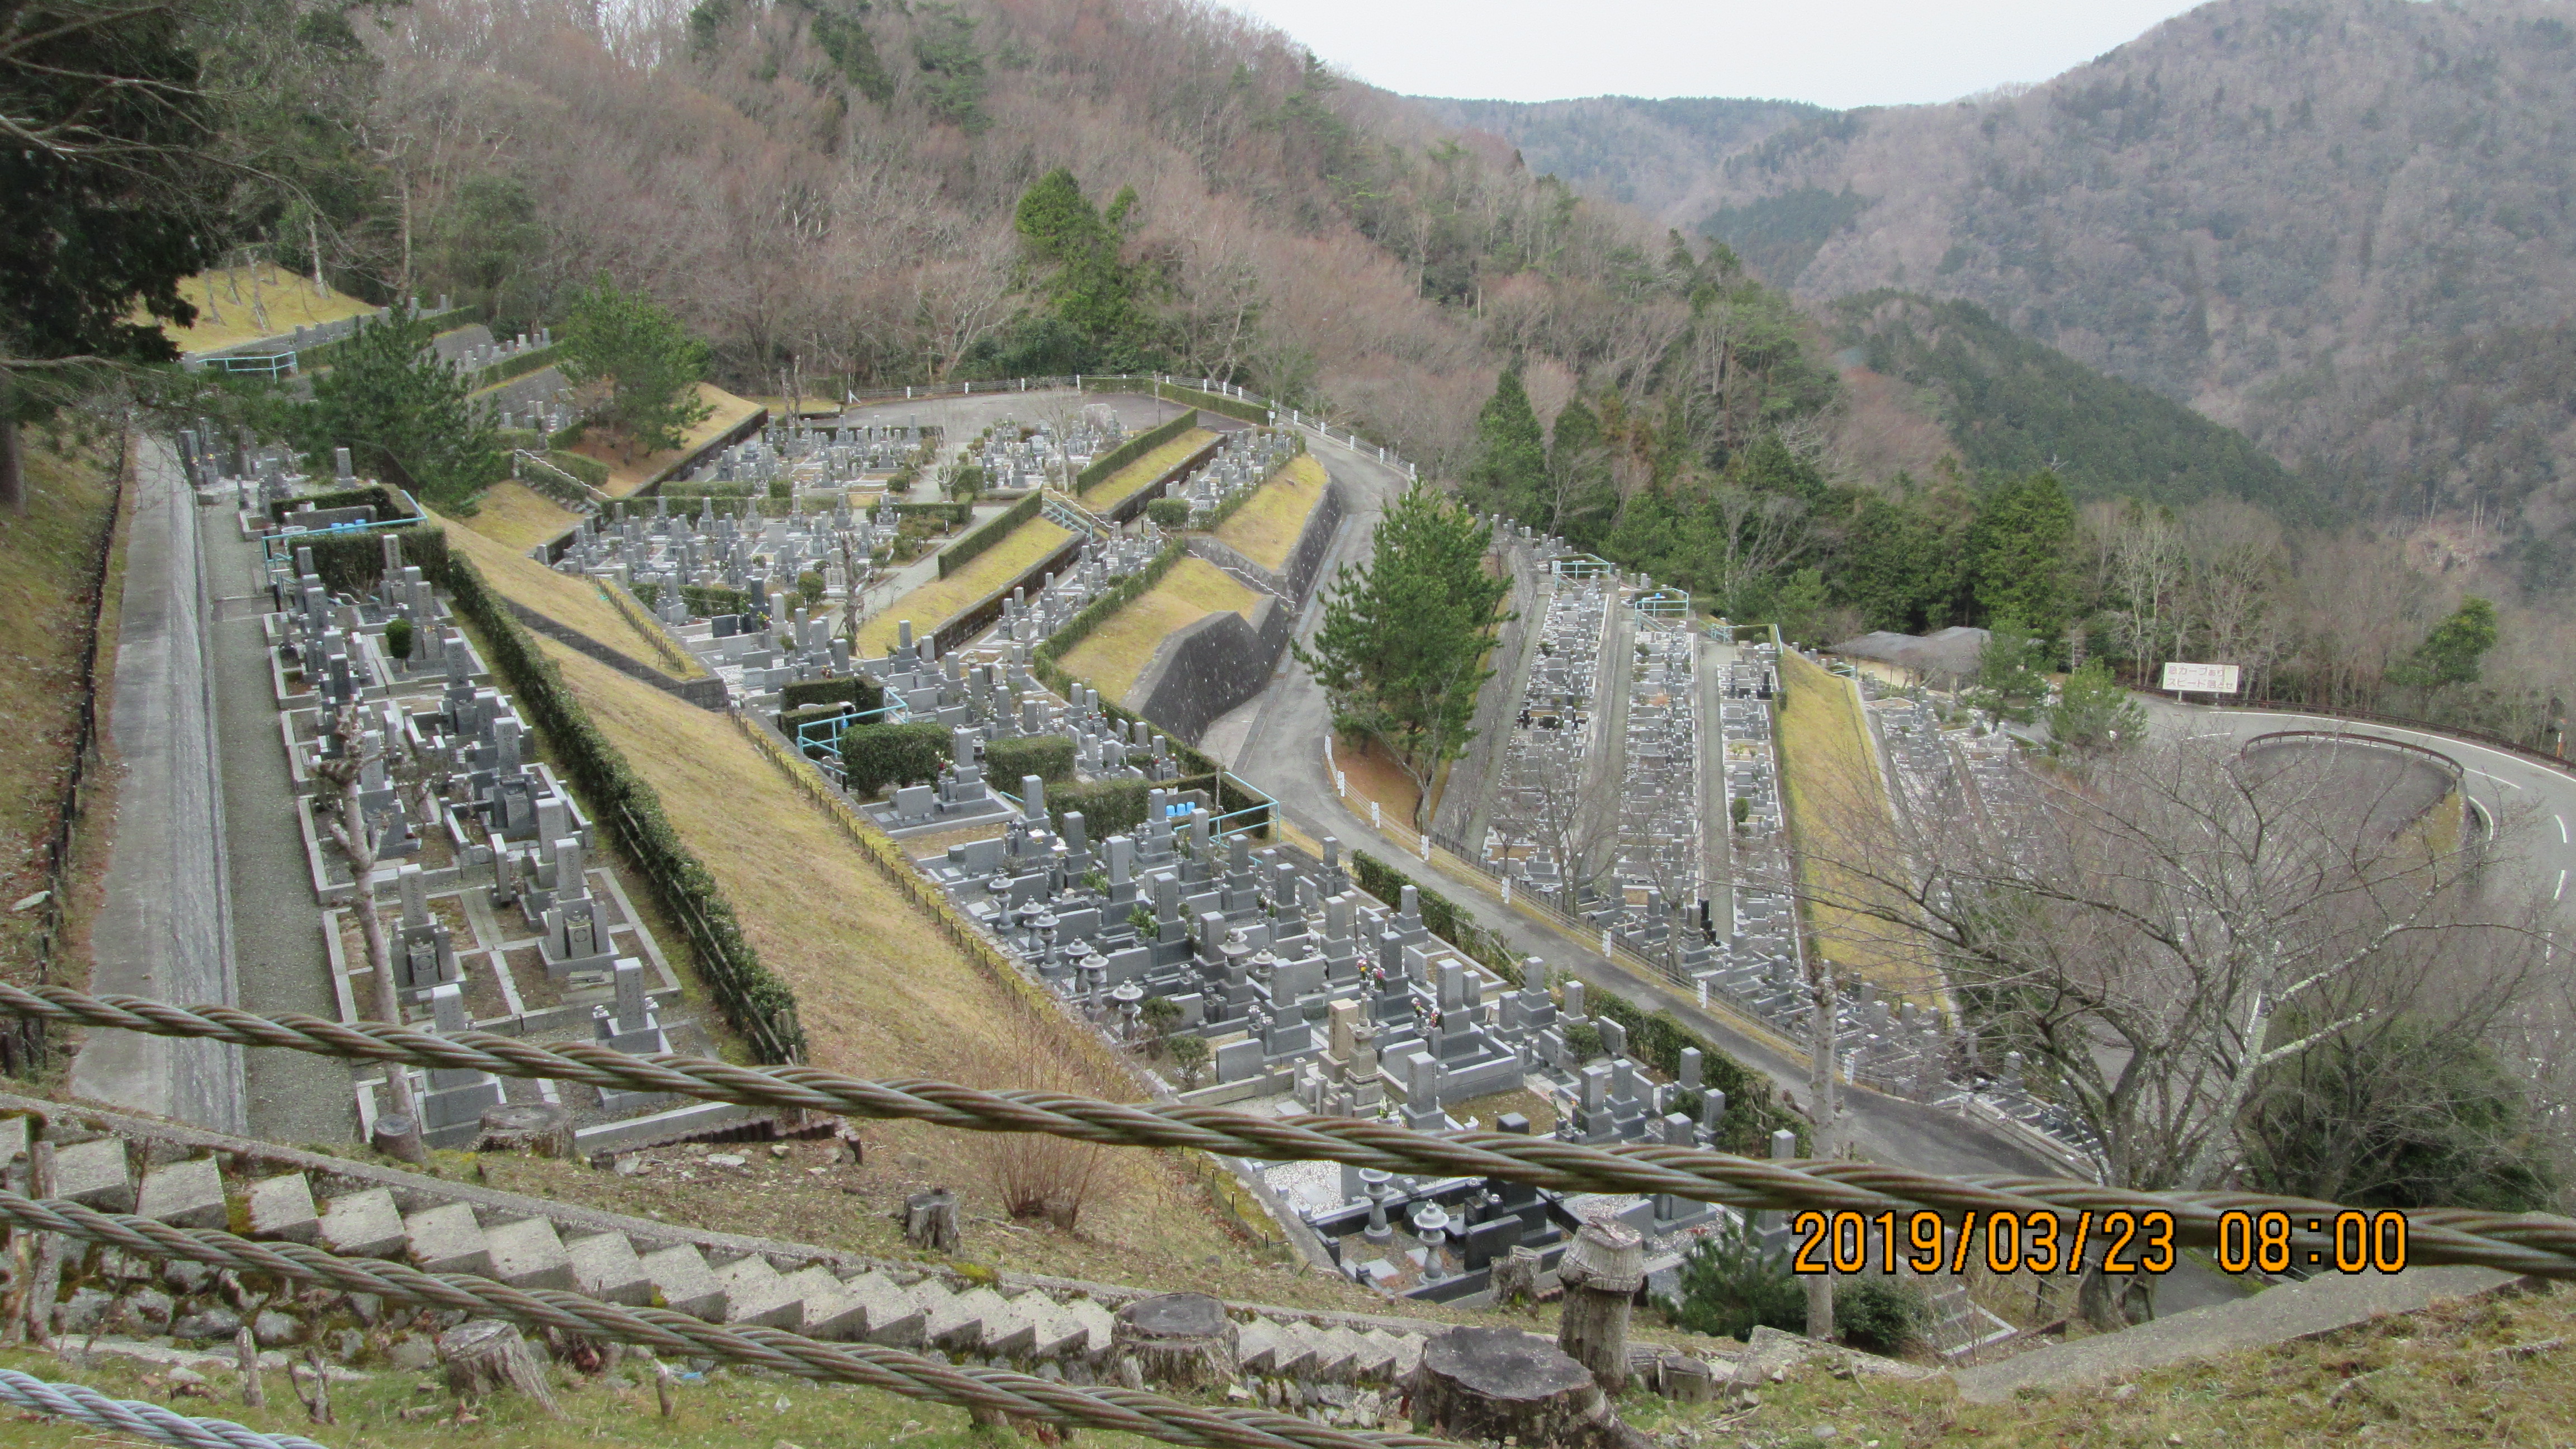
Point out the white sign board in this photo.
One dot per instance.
(2201, 678)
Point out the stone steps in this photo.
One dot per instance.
(411, 1219)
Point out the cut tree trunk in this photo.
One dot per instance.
(1500, 1385)
(485, 1355)
(1601, 1271)
(398, 1136)
(1516, 1279)
(1178, 1340)
(542, 1128)
(930, 1220)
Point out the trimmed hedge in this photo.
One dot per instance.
(1108, 807)
(957, 514)
(1131, 450)
(705, 601)
(791, 720)
(1753, 1110)
(1440, 915)
(1096, 613)
(966, 548)
(856, 690)
(753, 998)
(1049, 757)
(351, 563)
(519, 366)
(877, 755)
(1168, 512)
(1232, 407)
(1242, 496)
(386, 502)
(587, 469)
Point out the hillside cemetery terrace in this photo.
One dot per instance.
(502, 914)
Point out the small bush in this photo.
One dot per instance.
(1190, 1057)
(875, 756)
(782, 488)
(811, 585)
(1878, 1316)
(398, 638)
(1168, 512)
(1583, 1039)
(856, 690)
(1049, 757)
(1108, 807)
(1729, 1287)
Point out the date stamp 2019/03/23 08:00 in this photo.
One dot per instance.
(2126, 1242)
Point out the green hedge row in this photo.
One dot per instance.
(957, 514)
(753, 998)
(386, 502)
(350, 563)
(587, 469)
(874, 756)
(1250, 412)
(1440, 915)
(1753, 1110)
(1049, 757)
(1131, 450)
(1108, 807)
(965, 549)
(850, 689)
(1096, 613)
(519, 366)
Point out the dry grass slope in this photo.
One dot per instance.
(574, 603)
(45, 556)
(940, 600)
(880, 991)
(1122, 485)
(1265, 529)
(288, 300)
(625, 474)
(518, 516)
(1829, 769)
(1118, 651)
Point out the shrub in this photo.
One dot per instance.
(1168, 512)
(811, 585)
(782, 487)
(587, 469)
(1742, 809)
(1583, 1039)
(1159, 1013)
(1876, 1315)
(1108, 807)
(875, 756)
(1049, 757)
(398, 638)
(1190, 1057)
(856, 690)
(1729, 1287)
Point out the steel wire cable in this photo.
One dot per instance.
(133, 1416)
(2531, 1243)
(1130, 1411)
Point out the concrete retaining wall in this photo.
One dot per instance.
(1202, 671)
(705, 693)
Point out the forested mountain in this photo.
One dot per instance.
(2015, 406)
(1650, 154)
(2314, 221)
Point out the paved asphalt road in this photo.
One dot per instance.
(1276, 742)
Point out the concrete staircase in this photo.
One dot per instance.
(358, 1210)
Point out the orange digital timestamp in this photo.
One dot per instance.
(2350, 1242)
(2039, 1243)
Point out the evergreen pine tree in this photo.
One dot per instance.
(2018, 553)
(1510, 472)
(405, 416)
(651, 363)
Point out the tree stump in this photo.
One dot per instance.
(486, 1354)
(1601, 1271)
(1516, 1279)
(539, 1127)
(1497, 1385)
(1178, 1340)
(398, 1137)
(930, 1220)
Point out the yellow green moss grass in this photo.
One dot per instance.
(289, 301)
(1265, 528)
(1838, 808)
(1118, 651)
(940, 600)
(515, 515)
(575, 603)
(1122, 485)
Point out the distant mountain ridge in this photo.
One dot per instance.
(2313, 221)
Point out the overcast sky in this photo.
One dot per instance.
(1836, 53)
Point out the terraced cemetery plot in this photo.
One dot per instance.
(287, 300)
(575, 603)
(940, 600)
(1118, 651)
(1124, 484)
(1265, 530)
(1833, 795)
(625, 474)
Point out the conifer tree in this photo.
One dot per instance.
(651, 363)
(1510, 473)
(404, 414)
(1401, 650)
(2018, 551)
